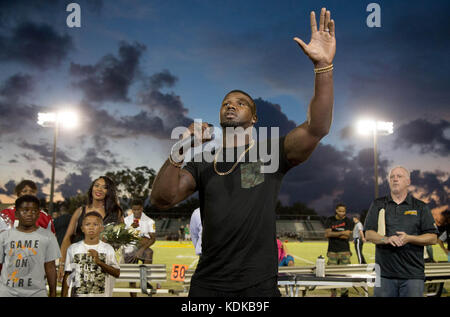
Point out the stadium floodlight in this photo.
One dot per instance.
(65, 119)
(367, 127)
(385, 128)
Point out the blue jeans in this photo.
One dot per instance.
(399, 288)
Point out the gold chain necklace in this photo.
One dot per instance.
(235, 164)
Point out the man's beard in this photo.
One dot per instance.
(231, 124)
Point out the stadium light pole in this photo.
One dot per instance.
(55, 120)
(366, 127)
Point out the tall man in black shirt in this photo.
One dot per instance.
(237, 198)
(338, 229)
(400, 226)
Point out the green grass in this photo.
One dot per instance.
(304, 253)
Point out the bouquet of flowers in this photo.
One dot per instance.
(118, 235)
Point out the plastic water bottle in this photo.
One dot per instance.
(320, 266)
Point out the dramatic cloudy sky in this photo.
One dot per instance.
(137, 69)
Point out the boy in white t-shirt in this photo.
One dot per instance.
(91, 265)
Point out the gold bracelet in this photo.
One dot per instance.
(178, 165)
(323, 69)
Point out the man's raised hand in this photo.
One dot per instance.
(202, 132)
(322, 46)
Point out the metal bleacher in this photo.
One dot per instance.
(289, 226)
(317, 229)
(309, 229)
(168, 226)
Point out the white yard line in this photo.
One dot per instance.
(194, 262)
(302, 259)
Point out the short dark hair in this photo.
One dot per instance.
(340, 205)
(356, 216)
(26, 199)
(137, 202)
(253, 104)
(93, 214)
(26, 182)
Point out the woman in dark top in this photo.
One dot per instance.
(102, 198)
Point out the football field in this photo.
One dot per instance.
(304, 253)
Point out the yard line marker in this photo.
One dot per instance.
(193, 263)
(302, 259)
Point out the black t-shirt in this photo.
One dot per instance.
(337, 225)
(411, 216)
(239, 246)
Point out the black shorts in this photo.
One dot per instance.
(267, 288)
